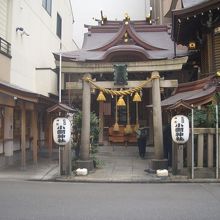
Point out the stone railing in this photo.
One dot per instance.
(204, 148)
(204, 154)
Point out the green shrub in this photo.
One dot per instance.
(94, 132)
(205, 117)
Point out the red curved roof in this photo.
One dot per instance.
(114, 40)
(197, 92)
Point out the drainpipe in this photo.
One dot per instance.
(217, 142)
(192, 134)
(60, 71)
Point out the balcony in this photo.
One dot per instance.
(5, 48)
(5, 60)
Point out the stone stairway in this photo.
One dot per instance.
(123, 151)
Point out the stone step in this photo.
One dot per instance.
(123, 151)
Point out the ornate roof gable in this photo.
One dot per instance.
(127, 35)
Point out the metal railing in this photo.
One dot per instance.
(5, 47)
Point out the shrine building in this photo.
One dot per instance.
(123, 71)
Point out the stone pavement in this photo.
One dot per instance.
(122, 164)
(45, 170)
(119, 164)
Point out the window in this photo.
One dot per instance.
(47, 4)
(59, 26)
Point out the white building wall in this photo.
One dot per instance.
(35, 51)
(42, 79)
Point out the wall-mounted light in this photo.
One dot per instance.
(148, 19)
(217, 30)
(192, 45)
(22, 31)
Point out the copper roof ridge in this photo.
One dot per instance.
(93, 28)
(148, 27)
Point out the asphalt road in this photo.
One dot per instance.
(47, 201)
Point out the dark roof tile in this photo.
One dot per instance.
(151, 41)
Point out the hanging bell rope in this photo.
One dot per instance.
(116, 92)
(101, 97)
(128, 129)
(120, 102)
(121, 93)
(116, 126)
(137, 121)
(137, 97)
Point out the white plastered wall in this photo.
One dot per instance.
(35, 51)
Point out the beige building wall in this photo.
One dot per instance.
(32, 50)
(5, 64)
(42, 79)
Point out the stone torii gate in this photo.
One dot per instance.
(156, 83)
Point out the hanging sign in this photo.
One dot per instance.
(61, 131)
(180, 129)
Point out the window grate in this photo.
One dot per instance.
(5, 47)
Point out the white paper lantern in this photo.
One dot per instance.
(61, 131)
(180, 129)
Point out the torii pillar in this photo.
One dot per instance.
(159, 162)
(85, 160)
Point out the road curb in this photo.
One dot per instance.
(150, 181)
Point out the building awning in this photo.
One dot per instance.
(180, 104)
(60, 107)
(23, 94)
(187, 21)
(199, 92)
(196, 97)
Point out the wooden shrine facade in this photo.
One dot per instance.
(146, 50)
(198, 27)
